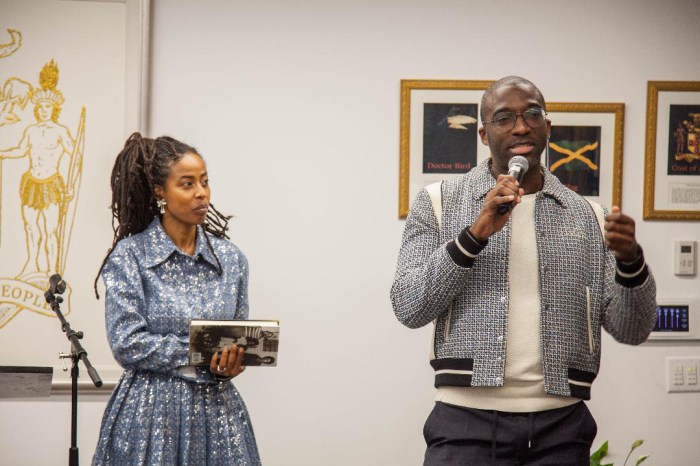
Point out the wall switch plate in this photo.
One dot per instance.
(682, 374)
(685, 257)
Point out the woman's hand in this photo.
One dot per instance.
(228, 363)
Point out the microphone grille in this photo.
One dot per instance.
(519, 160)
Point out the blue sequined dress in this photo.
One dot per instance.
(163, 411)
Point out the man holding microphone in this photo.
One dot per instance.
(518, 278)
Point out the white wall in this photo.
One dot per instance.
(295, 106)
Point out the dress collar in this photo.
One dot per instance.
(159, 246)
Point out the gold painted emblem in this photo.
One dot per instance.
(11, 47)
(48, 190)
(687, 137)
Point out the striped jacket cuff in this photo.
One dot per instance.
(631, 274)
(453, 372)
(580, 383)
(464, 249)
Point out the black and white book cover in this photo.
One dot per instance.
(259, 338)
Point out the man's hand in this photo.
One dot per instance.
(619, 235)
(489, 220)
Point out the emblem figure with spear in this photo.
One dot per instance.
(46, 197)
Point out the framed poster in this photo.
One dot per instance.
(585, 149)
(438, 134)
(672, 159)
(75, 95)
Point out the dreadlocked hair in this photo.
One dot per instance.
(142, 165)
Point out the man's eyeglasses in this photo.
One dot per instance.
(505, 121)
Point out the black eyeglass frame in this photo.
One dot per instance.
(543, 114)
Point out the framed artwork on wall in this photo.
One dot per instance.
(438, 134)
(585, 149)
(90, 91)
(672, 159)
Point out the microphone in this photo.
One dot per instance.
(517, 166)
(56, 284)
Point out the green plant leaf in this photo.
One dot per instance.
(641, 459)
(603, 450)
(599, 454)
(634, 445)
(637, 443)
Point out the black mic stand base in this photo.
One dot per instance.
(73, 452)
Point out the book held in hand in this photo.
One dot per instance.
(260, 338)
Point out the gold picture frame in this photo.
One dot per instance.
(610, 117)
(428, 90)
(669, 193)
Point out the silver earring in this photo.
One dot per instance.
(161, 205)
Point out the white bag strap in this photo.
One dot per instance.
(599, 213)
(435, 193)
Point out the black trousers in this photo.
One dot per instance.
(459, 436)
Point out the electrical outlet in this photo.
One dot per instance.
(682, 374)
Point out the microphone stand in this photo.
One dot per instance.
(56, 287)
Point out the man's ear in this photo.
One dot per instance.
(484, 137)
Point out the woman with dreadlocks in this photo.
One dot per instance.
(170, 262)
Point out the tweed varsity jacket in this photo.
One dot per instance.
(447, 277)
